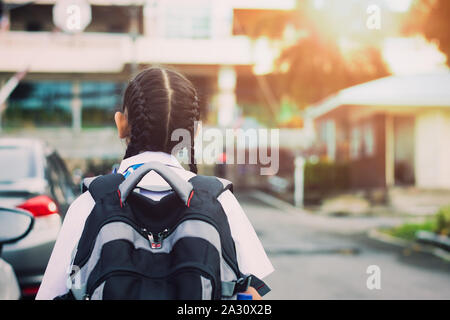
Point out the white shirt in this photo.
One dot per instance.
(251, 256)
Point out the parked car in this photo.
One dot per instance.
(14, 225)
(34, 178)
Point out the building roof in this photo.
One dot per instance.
(237, 4)
(91, 2)
(424, 90)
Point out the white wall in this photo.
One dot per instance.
(432, 149)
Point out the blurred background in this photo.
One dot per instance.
(359, 90)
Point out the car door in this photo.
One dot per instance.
(69, 188)
(61, 188)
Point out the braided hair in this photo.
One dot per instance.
(157, 102)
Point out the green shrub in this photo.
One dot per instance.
(408, 230)
(439, 224)
(442, 219)
(325, 178)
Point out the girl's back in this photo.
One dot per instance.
(156, 103)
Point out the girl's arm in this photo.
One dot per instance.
(250, 253)
(58, 268)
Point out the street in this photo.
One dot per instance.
(320, 258)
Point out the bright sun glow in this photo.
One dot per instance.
(399, 5)
(413, 55)
(346, 21)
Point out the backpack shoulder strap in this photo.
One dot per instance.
(86, 182)
(101, 185)
(214, 185)
(231, 288)
(227, 184)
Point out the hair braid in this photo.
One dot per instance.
(137, 130)
(159, 101)
(194, 118)
(145, 113)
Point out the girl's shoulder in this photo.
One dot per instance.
(80, 209)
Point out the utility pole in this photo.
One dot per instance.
(4, 17)
(299, 181)
(134, 32)
(76, 105)
(8, 88)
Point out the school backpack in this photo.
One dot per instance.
(180, 247)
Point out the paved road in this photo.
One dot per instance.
(327, 258)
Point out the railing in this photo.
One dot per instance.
(49, 52)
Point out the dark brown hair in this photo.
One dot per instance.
(158, 101)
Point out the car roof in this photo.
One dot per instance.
(25, 142)
(39, 147)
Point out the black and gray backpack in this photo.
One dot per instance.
(177, 248)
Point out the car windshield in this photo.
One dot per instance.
(16, 163)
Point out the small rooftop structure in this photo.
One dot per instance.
(424, 90)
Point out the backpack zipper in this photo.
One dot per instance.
(162, 235)
(156, 240)
(183, 267)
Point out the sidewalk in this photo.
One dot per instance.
(346, 225)
(322, 257)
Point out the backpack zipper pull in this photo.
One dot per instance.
(156, 239)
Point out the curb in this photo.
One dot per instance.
(376, 235)
(275, 202)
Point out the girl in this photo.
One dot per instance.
(156, 102)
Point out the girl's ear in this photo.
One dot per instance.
(122, 125)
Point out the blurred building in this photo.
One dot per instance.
(393, 131)
(76, 80)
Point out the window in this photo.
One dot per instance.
(100, 100)
(331, 139)
(39, 18)
(17, 163)
(31, 17)
(355, 143)
(37, 104)
(188, 20)
(65, 179)
(362, 141)
(49, 104)
(369, 140)
(55, 180)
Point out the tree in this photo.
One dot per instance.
(318, 68)
(313, 63)
(432, 19)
